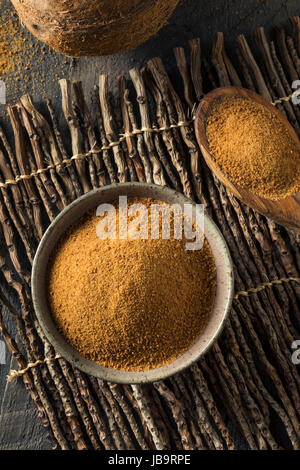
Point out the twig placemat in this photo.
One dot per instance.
(247, 383)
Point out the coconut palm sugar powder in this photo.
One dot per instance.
(129, 304)
(253, 148)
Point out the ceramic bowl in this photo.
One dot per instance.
(224, 290)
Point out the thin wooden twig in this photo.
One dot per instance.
(185, 75)
(23, 167)
(295, 20)
(54, 155)
(176, 113)
(109, 130)
(130, 140)
(72, 121)
(157, 168)
(160, 439)
(69, 168)
(83, 107)
(252, 64)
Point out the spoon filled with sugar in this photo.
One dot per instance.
(253, 150)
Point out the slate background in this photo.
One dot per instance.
(19, 424)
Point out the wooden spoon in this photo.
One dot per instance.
(284, 211)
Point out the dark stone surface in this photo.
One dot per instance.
(19, 424)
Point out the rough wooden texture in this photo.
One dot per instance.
(248, 378)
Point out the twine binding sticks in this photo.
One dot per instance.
(122, 138)
(13, 374)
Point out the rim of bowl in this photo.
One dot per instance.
(60, 344)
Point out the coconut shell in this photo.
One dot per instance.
(93, 27)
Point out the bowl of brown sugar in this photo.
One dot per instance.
(132, 282)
